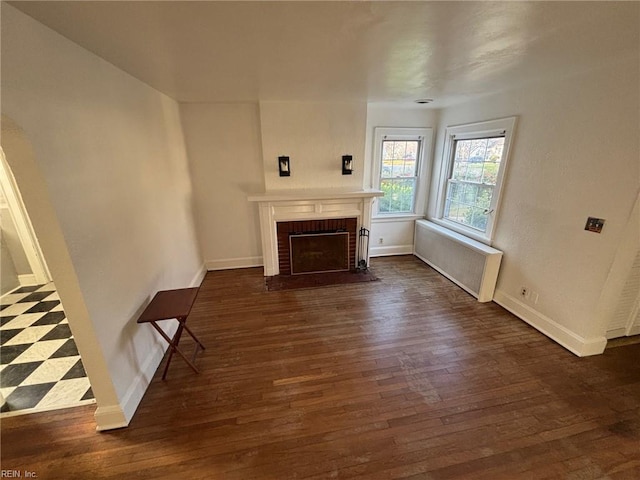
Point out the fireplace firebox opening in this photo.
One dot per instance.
(314, 246)
(319, 252)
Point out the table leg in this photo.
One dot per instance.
(173, 345)
(193, 336)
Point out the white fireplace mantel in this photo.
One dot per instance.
(289, 205)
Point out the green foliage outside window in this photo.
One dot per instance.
(398, 195)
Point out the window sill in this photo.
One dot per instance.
(396, 217)
(462, 231)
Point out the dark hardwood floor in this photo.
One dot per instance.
(408, 377)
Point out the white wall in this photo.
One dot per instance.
(315, 135)
(396, 232)
(13, 262)
(110, 167)
(233, 150)
(575, 154)
(225, 156)
(12, 239)
(8, 275)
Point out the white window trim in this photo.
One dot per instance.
(424, 160)
(466, 131)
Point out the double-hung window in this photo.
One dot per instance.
(400, 162)
(475, 157)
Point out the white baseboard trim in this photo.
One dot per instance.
(622, 332)
(138, 387)
(230, 263)
(199, 276)
(573, 342)
(390, 250)
(27, 279)
(110, 418)
(635, 330)
(616, 333)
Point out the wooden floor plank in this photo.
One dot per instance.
(407, 377)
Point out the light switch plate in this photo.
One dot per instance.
(594, 224)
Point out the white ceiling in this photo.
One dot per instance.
(207, 51)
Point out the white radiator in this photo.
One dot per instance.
(470, 264)
(626, 320)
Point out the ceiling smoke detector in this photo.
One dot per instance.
(424, 100)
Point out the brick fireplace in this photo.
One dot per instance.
(310, 246)
(293, 214)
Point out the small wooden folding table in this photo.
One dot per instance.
(169, 304)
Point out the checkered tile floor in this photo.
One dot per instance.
(40, 368)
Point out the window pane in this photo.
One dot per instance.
(447, 208)
(412, 150)
(387, 159)
(398, 168)
(459, 171)
(474, 173)
(462, 151)
(483, 200)
(387, 150)
(479, 219)
(386, 170)
(470, 192)
(399, 158)
(398, 150)
(398, 175)
(398, 195)
(490, 173)
(383, 204)
(467, 203)
(454, 191)
(453, 213)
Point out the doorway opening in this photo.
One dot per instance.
(40, 367)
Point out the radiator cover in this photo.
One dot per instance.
(468, 263)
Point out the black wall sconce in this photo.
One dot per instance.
(347, 164)
(283, 166)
